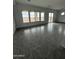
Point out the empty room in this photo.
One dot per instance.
(38, 29)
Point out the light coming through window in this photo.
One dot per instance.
(50, 17)
(25, 16)
(42, 16)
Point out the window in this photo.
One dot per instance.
(50, 17)
(37, 16)
(32, 16)
(25, 16)
(42, 16)
(62, 13)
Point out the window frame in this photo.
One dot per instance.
(43, 17)
(37, 16)
(34, 17)
(51, 19)
(24, 16)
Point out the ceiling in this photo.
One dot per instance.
(53, 4)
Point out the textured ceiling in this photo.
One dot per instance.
(53, 4)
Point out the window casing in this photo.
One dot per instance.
(32, 16)
(42, 16)
(37, 16)
(50, 17)
(25, 16)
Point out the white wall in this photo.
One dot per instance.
(61, 18)
(14, 25)
(14, 2)
(53, 4)
(18, 8)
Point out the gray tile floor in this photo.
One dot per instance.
(42, 42)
